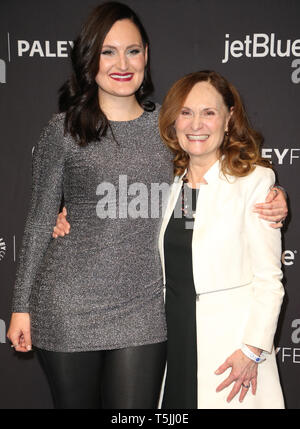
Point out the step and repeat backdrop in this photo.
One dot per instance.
(255, 44)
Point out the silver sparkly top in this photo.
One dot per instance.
(100, 287)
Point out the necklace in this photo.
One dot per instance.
(187, 200)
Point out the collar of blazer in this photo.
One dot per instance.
(212, 175)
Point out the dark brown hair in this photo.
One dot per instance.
(240, 148)
(85, 120)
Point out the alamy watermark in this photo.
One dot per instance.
(133, 201)
(138, 200)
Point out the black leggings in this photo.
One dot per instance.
(111, 379)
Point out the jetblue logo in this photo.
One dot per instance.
(261, 45)
(2, 71)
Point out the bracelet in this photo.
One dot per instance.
(247, 352)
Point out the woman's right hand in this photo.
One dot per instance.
(62, 226)
(19, 332)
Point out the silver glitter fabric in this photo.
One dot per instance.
(100, 287)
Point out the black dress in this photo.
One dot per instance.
(181, 379)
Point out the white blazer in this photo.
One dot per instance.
(233, 247)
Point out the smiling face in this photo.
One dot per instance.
(201, 123)
(122, 61)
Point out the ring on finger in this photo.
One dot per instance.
(276, 192)
(246, 386)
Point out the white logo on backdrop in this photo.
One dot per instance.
(45, 48)
(288, 257)
(261, 45)
(2, 248)
(281, 156)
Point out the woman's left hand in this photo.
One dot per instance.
(243, 373)
(274, 209)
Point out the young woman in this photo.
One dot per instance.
(92, 303)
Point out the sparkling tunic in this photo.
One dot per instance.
(100, 287)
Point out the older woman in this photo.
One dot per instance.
(221, 262)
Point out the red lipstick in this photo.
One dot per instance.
(121, 77)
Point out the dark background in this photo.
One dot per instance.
(185, 35)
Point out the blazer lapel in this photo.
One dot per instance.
(173, 196)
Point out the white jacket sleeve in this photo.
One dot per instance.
(265, 253)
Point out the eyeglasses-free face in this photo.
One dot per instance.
(202, 122)
(122, 61)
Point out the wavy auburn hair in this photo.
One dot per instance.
(240, 149)
(85, 120)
